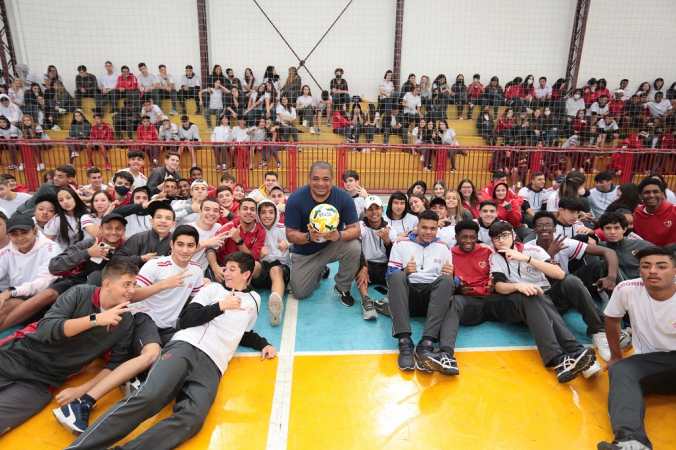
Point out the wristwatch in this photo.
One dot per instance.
(12, 291)
(92, 319)
(307, 237)
(240, 242)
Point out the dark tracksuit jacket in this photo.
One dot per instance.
(45, 357)
(141, 244)
(625, 251)
(76, 260)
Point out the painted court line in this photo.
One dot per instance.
(278, 432)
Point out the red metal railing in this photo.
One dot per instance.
(382, 168)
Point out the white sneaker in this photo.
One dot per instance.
(312, 130)
(275, 306)
(601, 343)
(56, 128)
(594, 369)
(21, 167)
(41, 167)
(422, 158)
(62, 111)
(74, 154)
(305, 123)
(425, 169)
(518, 185)
(366, 150)
(218, 168)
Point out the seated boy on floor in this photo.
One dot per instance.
(275, 259)
(85, 323)
(377, 238)
(190, 367)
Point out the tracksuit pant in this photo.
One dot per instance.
(571, 292)
(182, 371)
(19, 401)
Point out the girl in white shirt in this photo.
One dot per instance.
(305, 107)
(285, 115)
(17, 91)
(575, 103)
(102, 204)
(222, 133)
(256, 104)
(270, 100)
(387, 93)
(65, 228)
(448, 136)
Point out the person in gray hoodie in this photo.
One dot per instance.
(85, 323)
(603, 194)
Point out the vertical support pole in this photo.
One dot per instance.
(576, 42)
(7, 53)
(202, 28)
(398, 35)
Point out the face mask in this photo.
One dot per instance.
(121, 190)
(523, 116)
(530, 81)
(576, 96)
(339, 76)
(547, 113)
(459, 81)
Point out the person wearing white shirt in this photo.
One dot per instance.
(215, 102)
(152, 111)
(207, 226)
(411, 104)
(448, 137)
(323, 104)
(575, 103)
(626, 95)
(286, 114)
(660, 107)
(165, 88)
(10, 200)
(147, 84)
(387, 94)
(190, 88)
(305, 107)
(543, 94)
(222, 133)
(420, 281)
(191, 365)
(108, 92)
(650, 302)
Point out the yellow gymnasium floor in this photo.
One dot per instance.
(336, 385)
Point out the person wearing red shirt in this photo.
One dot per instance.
(229, 207)
(509, 209)
(512, 96)
(244, 235)
(101, 133)
(655, 220)
(526, 90)
(127, 87)
(475, 95)
(144, 133)
(616, 106)
(343, 126)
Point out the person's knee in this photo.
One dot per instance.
(276, 273)
(572, 283)
(397, 278)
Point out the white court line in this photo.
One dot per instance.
(278, 431)
(391, 352)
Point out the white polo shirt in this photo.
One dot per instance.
(155, 113)
(109, 81)
(658, 109)
(201, 256)
(140, 180)
(518, 271)
(412, 101)
(148, 81)
(165, 306)
(166, 82)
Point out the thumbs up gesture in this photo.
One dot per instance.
(411, 267)
(231, 302)
(447, 268)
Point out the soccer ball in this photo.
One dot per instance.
(324, 218)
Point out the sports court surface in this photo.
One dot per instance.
(336, 385)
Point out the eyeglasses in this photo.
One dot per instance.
(503, 237)
(546, 226)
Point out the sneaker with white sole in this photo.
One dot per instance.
(345, 297)
(600, 341)
(20, 167)
(622, 445)
(368, 310)
(423, 348)
(74, 154)
(569, 365)
(305, 123)
(41, 167)
(130, 386)
(625, 339)
(382, 306)
(441, 362)
(594, 369)
(275, 306)
(74, 417)
(312, 130)
(406, 361)
(56, 128)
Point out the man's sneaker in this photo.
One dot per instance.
(623, 445)
(625, 339)
(345, 297)
(56, 128)
(312, 130)
(130, 386)
(406, 360)
(328, 122)
(593, 370)
(108, 165)
(319, 130)
(218, 168)
(423, 348)
(326, 271)
(275, 306)
(41, 167)
(570, 364)
(20, 167)
(368, 310)
(74, 154)
(74, 416)
(382, 306)
(89, 165)
(173, 112)
(600, 341)
(441, 362)
(279, 165)
(305, 123)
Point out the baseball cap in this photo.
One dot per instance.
(165, 118)
(372, 200)
(437, 201)
(196, 182)
(20, 222)
(277, 186)
(560, 179)
(113, 216)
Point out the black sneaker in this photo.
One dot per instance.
(326, 271)
(441, 362)
(345, 297)
(621, 445)
(423, 348)
(570, 364)
(382, 306)
(74, 416)
(406, 361)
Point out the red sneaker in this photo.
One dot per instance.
(109, 166)
(89, 165)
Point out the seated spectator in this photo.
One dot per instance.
(660, 108)
(101, 204)
(475, 95)
(221, 135)
(312, 250)
(215, 102)
(575, 103)
(357, 120)
(560, 93)
(239, 134)
(469, 197)
(32, 103)
(506, 126)
(411, 103)
(100, 133)
(10, 132)
(617, 234)
(188, 133)
(603, 194)
(485, 126)
(448, 137)
(526, 91)
(305, 108)
(17, 93)
(153, 111)
(124, 120)
(342, 125)
(167, 132)
(445, 92)
(323, 105)
(44, 211)
(66, 228)
(146, 133)
(144, 246)
(136, 213)
(387, 93)
(259, 134)
(10, 200)
(48, 78)
(108, 92)
(446, 229)
(95, 179)
(271, 101)
(10, 111)
(236, 103)
(436, 107)
(509, 209)
(128, 88)
(653, 220)
(229, 207)
(371, 124)
(455, 211)
(165, 88)
(543, 94)
(417, 204)
(649, 369)
(85, 323)
(148, 84)
(420, 288)
(534, 196)
(190, 88)
(616, 106)
(393, 123)
(254, 109)
(568, 224)
(340, 93)
(63, 176)
(399, 215)
(80, 130)
(86, 85)
(286, 114)
(292, 86)
(571, 186)
(351, 182)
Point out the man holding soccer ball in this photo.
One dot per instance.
(313, 250)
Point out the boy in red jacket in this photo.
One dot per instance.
(655, 220)
(147, 132)
(101, 133)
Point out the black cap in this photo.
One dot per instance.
(113, 216)
(437, 201)
(154, 206)
(21, 222)
(145, 189)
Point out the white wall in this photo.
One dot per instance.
(629, 39)
(68, 33)
(490, 37)
(361, 42)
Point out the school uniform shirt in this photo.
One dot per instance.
(189, 134)
(287, 114)
(216, 99)
(484, 236)
(573, 249)
(535, 198)
(165, 306)
(239, 134)
(304, 102)
(358, 204)
(517, 271)
(412, 101)
(386, 86)
(319, 101)
(372, 245)
(553, 202)
(254, 240)
(272, 235)
(89, 220)
(155, 113)
(429, 258)
(221, 134)
(109, 81)
(600, 200)
(220, 337)
(53, 226)
(137, 224)
(473, 268)
(447, 234)
(29, 272)
(596, 108)
(567, 231)
(201, 255)
(139, 181)
(8, 207)
(191, 82)
(406, 224)
(147, 81)
(165, 82)
(130, 83)
(658, 109)
(652, 321)
(659, 228)
(103, 133)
